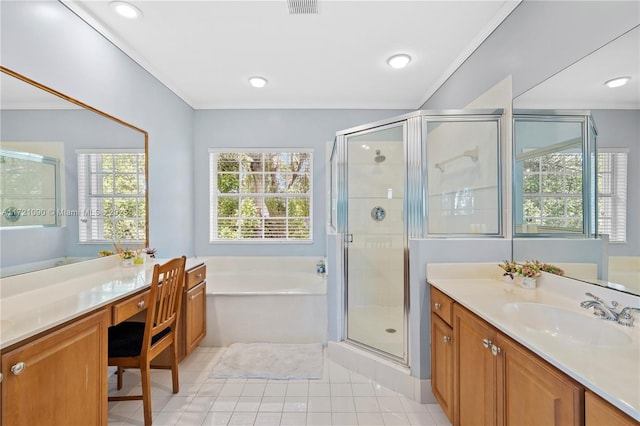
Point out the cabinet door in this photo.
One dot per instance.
(599, 412)
(442, 364)
(195, 316)
(532, 392)
(474, 370)
(60, 378)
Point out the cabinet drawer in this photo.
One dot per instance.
(441, 305)
(195, 276)
(129, 307)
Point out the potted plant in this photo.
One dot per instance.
(510, 269)
(529, 272)
(127, 257)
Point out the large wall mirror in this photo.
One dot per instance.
(73, 179)
(612, 258)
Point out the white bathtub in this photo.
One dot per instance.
(265, 299)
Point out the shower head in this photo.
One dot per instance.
(379, 158)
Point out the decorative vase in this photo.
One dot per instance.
(139, 260)
(509, 279)
(528, 282)
(127, 262)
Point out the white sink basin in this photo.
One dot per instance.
(565, 326)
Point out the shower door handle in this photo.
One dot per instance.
(348, 238)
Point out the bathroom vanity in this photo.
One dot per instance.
(496, 360)
(54, 337)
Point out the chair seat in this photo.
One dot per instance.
(125, 339)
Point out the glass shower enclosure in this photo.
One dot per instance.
(428, 174)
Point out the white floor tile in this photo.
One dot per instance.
(319, 404)
(395, 418)
(370, 419)
(268, 419)
(366, 404)
(319, 389)
(318, 419)
(344, 419)
(293, 419)
(217, 419)
(275, 389)
(342, 404)
(341, 397)
(243, 419)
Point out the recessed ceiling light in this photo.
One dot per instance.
(617, 82)
(126, 10)
(399, 61)
(258, 81)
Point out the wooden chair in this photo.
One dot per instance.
(136, 344)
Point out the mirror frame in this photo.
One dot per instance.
(105, 115)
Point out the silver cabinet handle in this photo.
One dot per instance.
(495, 350)
(141, 304)
(446, 339)
(486, 343)
(437, 305)
(1, 377)
(193, 296)
(199, 275)
(18, 368)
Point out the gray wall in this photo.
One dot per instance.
(270, 128)
(536, 41)
(45, 41)
(621, 129)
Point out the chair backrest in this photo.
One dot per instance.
(165, 299)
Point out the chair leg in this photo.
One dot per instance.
(145, 373)
(120, 369)
(174, 367)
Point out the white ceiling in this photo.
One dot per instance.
(581, 85)
(205, 51)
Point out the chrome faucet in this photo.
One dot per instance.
(625, 318)
(600, 308)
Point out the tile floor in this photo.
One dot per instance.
(341, 397)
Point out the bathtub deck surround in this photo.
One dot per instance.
(609, 371)
(265, 299)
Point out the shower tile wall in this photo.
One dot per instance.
(462, 193)
(375, 256)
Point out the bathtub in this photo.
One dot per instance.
(265, 299)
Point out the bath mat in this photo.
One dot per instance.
(271, 361)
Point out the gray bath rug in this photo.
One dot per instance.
(270, 361)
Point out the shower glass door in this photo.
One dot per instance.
(376, 240)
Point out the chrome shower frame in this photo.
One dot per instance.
(414, 202)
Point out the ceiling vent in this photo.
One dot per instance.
(302, 7)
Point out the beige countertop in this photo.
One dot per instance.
(612, 371)
(35, 302)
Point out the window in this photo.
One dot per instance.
(612, 194)
(553, 191)
(111, 196)
(260, 195)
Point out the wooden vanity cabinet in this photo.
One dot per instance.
(474, 371)
(442, 350)
(59, 378)
(194, 310)
(499, 382)
(598, 412)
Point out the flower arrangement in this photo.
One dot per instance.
(104, 253)
(547, 267)
(151, 252)
(529, 269)
(509, 268)
(127, 254)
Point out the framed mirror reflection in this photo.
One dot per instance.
(551, 193)
(74, 179)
